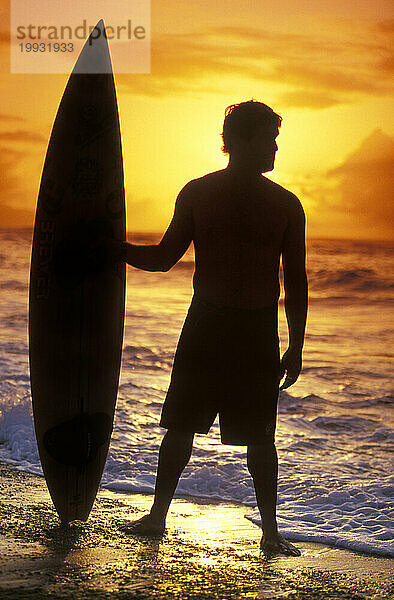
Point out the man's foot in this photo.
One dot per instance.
(146, 525)
(274, 545)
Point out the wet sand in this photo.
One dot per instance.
(210, 551)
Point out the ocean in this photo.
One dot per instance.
(334, 429)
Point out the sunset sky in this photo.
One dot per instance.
(324, 65)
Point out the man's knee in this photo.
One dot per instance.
(181, 438)
(264, 445)
(260, 454)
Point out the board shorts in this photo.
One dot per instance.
(227, 361)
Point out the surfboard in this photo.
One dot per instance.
(77, 293)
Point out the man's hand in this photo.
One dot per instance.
(113, 249)
(291, 364)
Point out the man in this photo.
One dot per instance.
(227, 360)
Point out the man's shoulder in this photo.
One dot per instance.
(279, 191)
(285, 197)
(196, 188)
(204, 180)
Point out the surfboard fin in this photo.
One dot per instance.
(76, 442)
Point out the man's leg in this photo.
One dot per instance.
(175, 451)
(263, 467)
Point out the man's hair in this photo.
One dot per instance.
(243, 118)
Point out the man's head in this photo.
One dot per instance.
(249, 132)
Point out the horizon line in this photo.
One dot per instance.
(161, 233)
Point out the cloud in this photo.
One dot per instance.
(22, 135)
(387, 64)
(9, 160)
(366, 185)
(14, 154)
(15, 217)
(385, 30)
(4, 22)
(10, 119)
(11, 193)
(10, 215)
(303, 98)
(356, 197)
(17, 135)
(385, 26)
(326, 70)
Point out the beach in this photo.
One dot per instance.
(209, 551)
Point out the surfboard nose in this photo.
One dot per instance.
(95, 56)
(101, 26)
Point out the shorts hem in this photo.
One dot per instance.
(183, 428)
(262, 439)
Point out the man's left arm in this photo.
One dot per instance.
(296, 290)
(175, 242)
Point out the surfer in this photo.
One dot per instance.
(227, 360)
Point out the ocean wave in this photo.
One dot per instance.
(18, 444)
(12, 347)
(383, 401)
(289, 404)
(355, 517)
(142, 355)
(14, 286)
(363, 280)
(341, 423)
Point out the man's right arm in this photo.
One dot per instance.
(175, 242)
(296, 289)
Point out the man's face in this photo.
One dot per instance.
(259, 151)
(262, 148)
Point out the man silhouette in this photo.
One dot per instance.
(227, 360)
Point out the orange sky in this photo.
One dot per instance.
(324, 65)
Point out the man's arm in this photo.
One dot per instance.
(175, 242)
(296, 290)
